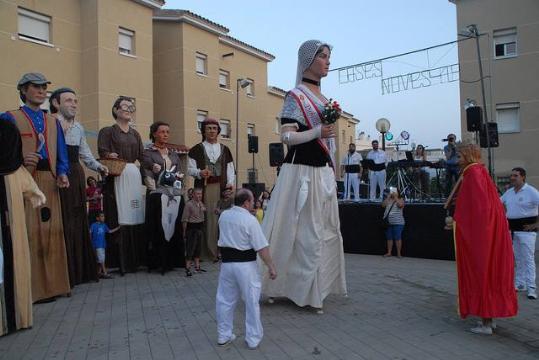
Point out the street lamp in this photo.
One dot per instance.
(243, 83)
(383, 125)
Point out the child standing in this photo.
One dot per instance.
(97, 231)
(193, 221)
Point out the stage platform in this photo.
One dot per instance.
(423, 237)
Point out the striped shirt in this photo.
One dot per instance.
(395, 216)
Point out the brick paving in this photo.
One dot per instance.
(396, 309)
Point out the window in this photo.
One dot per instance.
(226, 130)
(201, 116)
(507, 117)
(34, 26)
(505, 43)
(201, 64)
(126, 41)
(224, 79)
(343, 136)
(250, 89)
(250, 129)
(277, 125)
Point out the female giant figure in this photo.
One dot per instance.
(302, 219)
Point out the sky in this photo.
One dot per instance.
(359, 31)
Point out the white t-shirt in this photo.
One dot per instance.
(354, 159)
(239, 229)
(378, 156)
(521, 204)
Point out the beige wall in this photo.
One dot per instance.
(180, 92)
(84, 56)
(346, 135)
(512, 79)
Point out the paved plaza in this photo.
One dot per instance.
(396, 309)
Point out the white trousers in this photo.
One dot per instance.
(524, 249)
(377, 178)
(351, 182)
(239, 279)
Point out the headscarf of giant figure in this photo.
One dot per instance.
(10, 148)
(306, 54)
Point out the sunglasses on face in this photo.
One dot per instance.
(128, 108)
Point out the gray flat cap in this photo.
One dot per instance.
(34, 78)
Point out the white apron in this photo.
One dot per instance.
(169, 213)
(129, 198)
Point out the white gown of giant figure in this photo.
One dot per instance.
(302, 220)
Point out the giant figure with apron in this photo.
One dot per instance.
(123, 199)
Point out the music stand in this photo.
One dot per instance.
(409, 156)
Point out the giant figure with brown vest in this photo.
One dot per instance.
(212, 166)
(45, 157)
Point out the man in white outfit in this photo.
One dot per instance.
(351, 172)
(522, 204)
(240, 239)
(377, 173)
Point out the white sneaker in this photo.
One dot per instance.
(492, 324)
(271, 300)
(227, 342)
(483, 330)
(251, 347)
(532, 295)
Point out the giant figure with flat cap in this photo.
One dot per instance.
(45, 157)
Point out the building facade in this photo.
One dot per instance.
(509, 47)
(178, 67)
(100, 48)
(200, 71)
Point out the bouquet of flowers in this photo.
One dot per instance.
(332, 112)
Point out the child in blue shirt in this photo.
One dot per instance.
(97, 231)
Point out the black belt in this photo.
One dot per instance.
(518, 224)
(378, 167)
(352, 169)
(234, 255)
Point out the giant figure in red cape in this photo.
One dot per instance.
(485, 265)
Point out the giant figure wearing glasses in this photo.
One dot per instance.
(122, 195)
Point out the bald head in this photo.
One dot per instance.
(244, 198)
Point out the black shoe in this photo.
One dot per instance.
(188, 273)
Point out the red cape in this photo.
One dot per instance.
(484, 251)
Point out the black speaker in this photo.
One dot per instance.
(474, 118)
(256, 188)
(492, 135)
(276, 154)
(253, 144)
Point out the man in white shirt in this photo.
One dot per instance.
(377, 173)
(522, 204)
(240, 239)
(212, 166)
(351, 172)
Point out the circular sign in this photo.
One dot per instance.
(389, 136)
(383, 125)
(405, 135)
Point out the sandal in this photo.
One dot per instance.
(188, 273)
